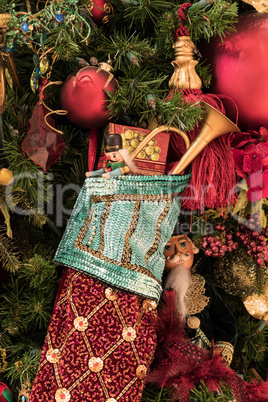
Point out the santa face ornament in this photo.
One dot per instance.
(179, 251)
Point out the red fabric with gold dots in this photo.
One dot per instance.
(99, 344)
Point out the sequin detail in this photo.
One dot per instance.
(111, 294)
(117, 364)
(129, 334)
(193, 322)
(53, 355)
(149, 305)
(62, 395)
(141, 371)
(95, 364)
(80, 323)
(121, 225)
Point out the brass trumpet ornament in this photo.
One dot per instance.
(215, 125)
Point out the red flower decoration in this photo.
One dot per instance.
(238, 156)
(264, 133)
(252, 162)
(258, 186)
(262, 149)
(250, 153)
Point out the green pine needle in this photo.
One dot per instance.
(9, 254)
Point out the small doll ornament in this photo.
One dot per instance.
(119, 161)
(206, 316)
(190, 316)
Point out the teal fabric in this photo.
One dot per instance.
(118, 230)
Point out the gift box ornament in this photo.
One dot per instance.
(5, 393)
(119, 228)
(151, 160)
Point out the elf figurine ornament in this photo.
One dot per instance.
(119, 161)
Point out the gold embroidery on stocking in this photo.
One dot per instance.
(127, 249)
(157, 235)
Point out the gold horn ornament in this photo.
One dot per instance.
(216, 124)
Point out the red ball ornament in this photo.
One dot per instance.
(83, 96)
(98, 10)
(239, 68)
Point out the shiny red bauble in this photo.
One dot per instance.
(83, 96)
(239, 68)
(97, 10)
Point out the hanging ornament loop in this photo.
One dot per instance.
(182, 30)
(59, 112)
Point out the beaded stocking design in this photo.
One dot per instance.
(99, 344)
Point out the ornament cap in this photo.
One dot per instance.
(184, 75)
(106, 66)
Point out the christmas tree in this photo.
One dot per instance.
(70, 71)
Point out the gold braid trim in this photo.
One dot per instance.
(226, 350)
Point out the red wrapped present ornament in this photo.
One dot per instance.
(151, 160)
(5, 393)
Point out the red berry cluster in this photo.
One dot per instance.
(214, 246)
(254, 240)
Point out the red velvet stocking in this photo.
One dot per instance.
(99, 344)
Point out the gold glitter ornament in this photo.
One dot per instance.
(257, 305)
(4, 18)
(24, 394)
(6, 177)
(239, 275)
(4, 360)
(260, 6)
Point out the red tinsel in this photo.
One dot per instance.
(179, 364)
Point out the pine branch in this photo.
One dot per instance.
(131, 98)
(65, 44)
(25, 367)
(121, 43)
(145, 13)
(28, 297)
(28, 194)
(176, 112)
(39, 271)
(68, 22)
(215, 19)
(9, 255)
(5, 6)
